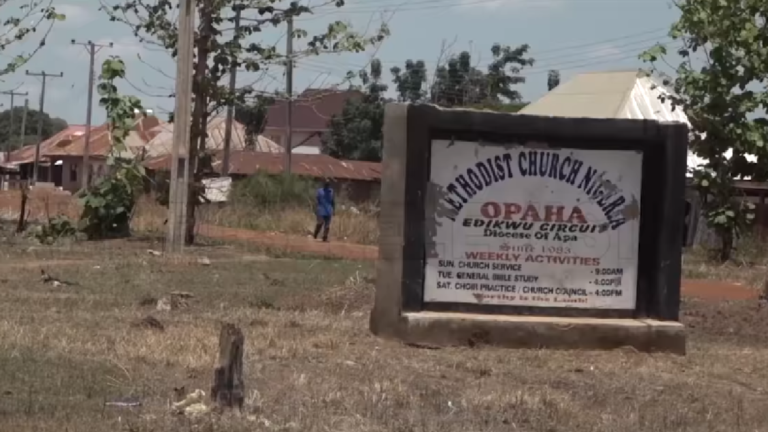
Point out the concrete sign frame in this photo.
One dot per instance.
(409, 130)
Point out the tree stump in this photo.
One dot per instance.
(22, 223)
(228, 389)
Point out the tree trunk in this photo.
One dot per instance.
(228, 388)
(726, 245)
(200, 93)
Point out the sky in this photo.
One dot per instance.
(572, 36)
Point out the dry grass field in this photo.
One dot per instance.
(357, 225)
(67, 353)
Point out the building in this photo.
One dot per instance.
(312, 110)
(23, 159)
(68, 154)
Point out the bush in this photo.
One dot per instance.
(269, 190)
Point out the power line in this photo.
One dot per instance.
(598, 46)
(422, 5)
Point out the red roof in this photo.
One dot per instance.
(101, 140)
(26, 154)
(311, 165)
(312, 109)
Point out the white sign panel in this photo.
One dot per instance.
(527, 226)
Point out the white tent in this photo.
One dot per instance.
(617, 94)
(162, 143)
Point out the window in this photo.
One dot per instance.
(73, 172)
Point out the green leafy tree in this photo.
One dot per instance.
(51, 126)
(356, 134)
(19, 22)
(411, 81)
(253, 116)
(721, 87)
(553, 79)
(218, 47)
(459, 84)
(108, 205)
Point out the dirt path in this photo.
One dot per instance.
(43, 263)
(292, 243)
(716, 290)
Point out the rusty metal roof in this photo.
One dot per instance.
(312, 109)
(26, 154)
(312, 165)
(101, 139)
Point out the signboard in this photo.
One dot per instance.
(533, 226)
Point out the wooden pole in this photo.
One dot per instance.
(92, 49)
(44, 76)
(182, 119)
(8, 143)
(289, 90)
(228, 389)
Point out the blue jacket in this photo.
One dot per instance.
(325, 202)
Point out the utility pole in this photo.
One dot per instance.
(231, 108)
(289, 90)
(12, 94)
(92, 49)
(44, 75)
(24, 121)
(182, 118)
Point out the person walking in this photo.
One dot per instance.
(326, 204)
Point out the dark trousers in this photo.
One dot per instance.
(324, 223)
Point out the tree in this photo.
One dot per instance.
(253, 116)
(20, 22)
(410, 83)
(108, 205)
(720, 85)
(553, 79)
(356, 134)
(51, 126)
(217, 47)
(458, 83)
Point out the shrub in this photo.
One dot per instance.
(269, 190)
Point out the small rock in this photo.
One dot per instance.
(127, 402)
(191, 405)
(57, 283)
(196, 410)
(147, 301)
(164, 304)
(149, 322)
(175, 300)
